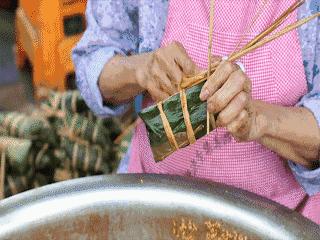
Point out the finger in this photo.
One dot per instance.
(169, 66)
(215, 60)
(234, 108)
(166, 84)
(162, 79)
(156, 94)
(233, 86)
(184, 61)
(247, 87)
(238, 127)
(217, 79)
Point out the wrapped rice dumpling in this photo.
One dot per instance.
(16, 152)
(66, 101)
(3, 131)
(17, 184)
(41, 158)
(93, 131)
(40, 180)
(22, 126)
(193, 114)
(85, 157)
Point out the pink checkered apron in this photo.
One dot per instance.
(277, 75)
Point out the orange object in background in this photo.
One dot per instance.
(46, 32)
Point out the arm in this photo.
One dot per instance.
(110, 31)
(159, 73)
(292, 132)
(104, 71)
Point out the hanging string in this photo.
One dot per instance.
(250, 26)
(2, 173)
(210, 54)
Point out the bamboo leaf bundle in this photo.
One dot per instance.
(172, 108)
(93, 131)
(59, 141)
(16, 152)
(40, 180)
(17, 184)
(65, 101)
(42, 158)
(20, 125)
(85, 157)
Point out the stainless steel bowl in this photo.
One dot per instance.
(146, 207)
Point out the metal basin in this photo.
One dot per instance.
(147, 207)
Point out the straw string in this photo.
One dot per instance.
(250, 26)
(274, 25)
(186, 117)
(210, 53)
(2, 173)
(167, 128)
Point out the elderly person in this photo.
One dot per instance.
(268, 137)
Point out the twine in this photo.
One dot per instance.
(167, 128)
(250, 26)
(56, 100)
(63, 102)
(41, 153)
(84, 127)
(99, 159)
(12, 185)
(73, 122)
(2, 173)
(86, 159)
(74, 101)
(74, 155)
(209, 54)
(95, 132)
(186, 117)
(14, 125)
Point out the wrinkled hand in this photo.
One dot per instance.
(163, 70)
(228, 92)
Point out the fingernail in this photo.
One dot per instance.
(204, 94)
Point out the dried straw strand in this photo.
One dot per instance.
(273, 26)
(209, 54)
(275, 36)
(167, 128)
(254, 21)
(2, 173)
(186, 117)
(196, 80)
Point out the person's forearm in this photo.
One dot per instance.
(289, 151)
(292, 132)
(117, 81)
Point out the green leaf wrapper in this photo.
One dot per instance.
(160, 145)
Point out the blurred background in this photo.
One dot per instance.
(39, 53)
(47, 133)
(12, 81)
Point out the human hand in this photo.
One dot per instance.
(228, 92)
(162, 70)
